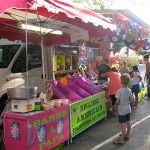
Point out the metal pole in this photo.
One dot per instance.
(43, 59)
(42, 48)
(127, 51)
(28, 117)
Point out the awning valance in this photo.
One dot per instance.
(76, 22)
(72, 10)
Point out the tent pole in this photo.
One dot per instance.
(127, 51)
(42, 48)
(28, 117)
(43, 59)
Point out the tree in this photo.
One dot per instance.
(117, 47)
(95, 4)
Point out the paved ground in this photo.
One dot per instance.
(100, 135)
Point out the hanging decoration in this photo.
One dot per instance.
(129, 27)
(141, 43)
(105, 52)
(115, 38)
(133, 35)
(114, 59)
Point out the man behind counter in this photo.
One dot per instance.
(103, 68)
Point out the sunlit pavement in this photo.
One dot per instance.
(102, 132)
(100, 135)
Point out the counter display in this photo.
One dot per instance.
(65, 59)
(87, 102)
(48, 129)
(78, 88)
(61, 91)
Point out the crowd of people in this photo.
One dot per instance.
(123, 89)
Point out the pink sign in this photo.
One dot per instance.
(48, 129)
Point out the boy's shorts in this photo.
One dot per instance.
(124, 118)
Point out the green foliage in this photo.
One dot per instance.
(95, 4)
(143, 53)
(117, 47)
(131, 65)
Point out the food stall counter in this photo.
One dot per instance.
(42, 130)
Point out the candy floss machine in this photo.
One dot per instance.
(22, 98)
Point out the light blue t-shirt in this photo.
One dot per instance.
(125, 97)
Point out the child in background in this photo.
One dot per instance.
(130, 79)
(64, 79)
(124, 69)
(135, 86)
(131, 74)
(124, 98)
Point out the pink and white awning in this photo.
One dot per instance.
(74, 21)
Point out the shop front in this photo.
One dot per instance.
(47, 128)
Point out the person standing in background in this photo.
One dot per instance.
(147, 74)
(131, 74)
(113, 86)
(64, 79)
(103, 68)
(135, 85)
(124, 99)
(124, 69)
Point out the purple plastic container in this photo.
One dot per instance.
(84, 86)
(91, 84)
(57, 92)
(81, 92)
(66, 91)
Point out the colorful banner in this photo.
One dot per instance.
(83, 52)
(87, 112)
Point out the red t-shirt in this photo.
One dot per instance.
(114, 82)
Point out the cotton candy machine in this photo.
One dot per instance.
(22, 98)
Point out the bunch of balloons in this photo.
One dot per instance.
(114, 59)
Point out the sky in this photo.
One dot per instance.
(141, 8)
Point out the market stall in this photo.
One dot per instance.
(87, 102)
(47, 129)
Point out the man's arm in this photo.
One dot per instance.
(117, 101)
(104, 75)
(140, 78)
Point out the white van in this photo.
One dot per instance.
(14, 66)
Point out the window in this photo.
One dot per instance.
(7, 53)
(34, 59)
